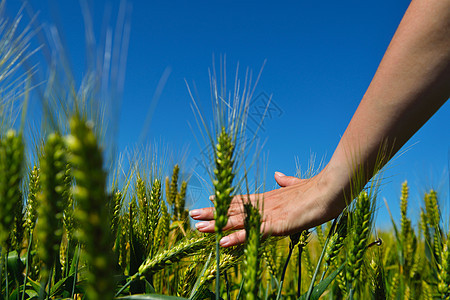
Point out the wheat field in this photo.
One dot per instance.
(72, 228)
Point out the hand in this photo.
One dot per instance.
(297, 205)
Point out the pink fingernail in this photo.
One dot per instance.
(195, 213)
(279, 174)
(225, 241)
(201, 225)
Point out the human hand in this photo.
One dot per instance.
(297, 205)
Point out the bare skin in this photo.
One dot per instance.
(412, 82)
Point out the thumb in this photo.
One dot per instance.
(284, 180)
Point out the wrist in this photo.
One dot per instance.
(334, 182)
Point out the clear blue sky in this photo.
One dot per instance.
(321, 56)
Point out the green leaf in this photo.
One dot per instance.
(323, 285)
(397, 235)
(31, 294)
(151, 297)
(35, 285)
(15, 265)
(65, 284)
(149, 289)
(75, 259)
(195, 292)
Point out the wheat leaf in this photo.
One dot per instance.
(323, 285)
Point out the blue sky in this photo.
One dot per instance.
(321, 56)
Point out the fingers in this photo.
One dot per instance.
(233, 239)
(234, 222)
(284, 181)
(205, 226)
(206, 213)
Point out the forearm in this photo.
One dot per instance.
(411, 83)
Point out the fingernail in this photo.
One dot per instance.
(225, 241)
(201, 225)
(211, 198)
(279, 174)
(195, 213)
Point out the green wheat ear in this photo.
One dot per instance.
(51, 201)
(68, 220)
(154, 213)
(163, 228)
(117, 202)
(180, 203)
(337, 240)
(172, 255)
(378, 285)
(361, 226)
(251, 260)
(34, 188)
(444, 271)
(224, 175)
(92, 213)
(405, 222)
(172, 186)
(11, 161)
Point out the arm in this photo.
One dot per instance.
(412, 82)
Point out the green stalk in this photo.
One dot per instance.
(217, 266)
(241, 287)
(227, 283)
(311, 286)
(291, 249)
(6, 274)
(26, 264)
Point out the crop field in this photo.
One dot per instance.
(73, 226)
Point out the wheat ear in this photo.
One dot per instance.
(11, 161)
(251, 260)
(175, 254)
(361, 225)
(51, 203)
(92, 210)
